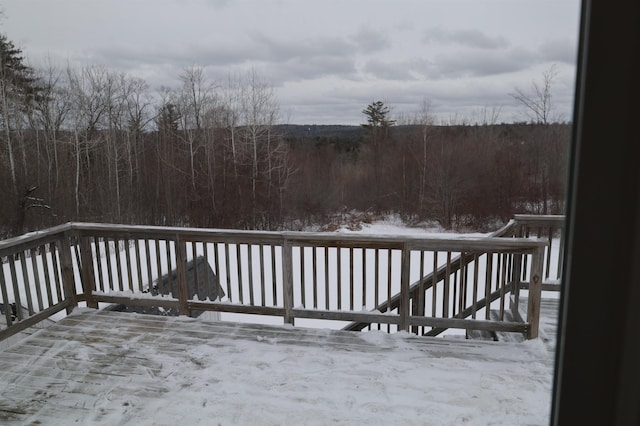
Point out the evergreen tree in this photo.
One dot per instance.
(18, 92)
(377, 116)
(378, 124)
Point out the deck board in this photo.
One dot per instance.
(111, 367)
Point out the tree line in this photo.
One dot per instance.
(462, 176)
(92, 144)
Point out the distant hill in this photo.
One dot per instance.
(315, 130)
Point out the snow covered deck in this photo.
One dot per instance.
(106, 367)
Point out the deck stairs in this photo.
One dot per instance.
(549, 312)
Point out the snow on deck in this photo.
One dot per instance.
(121, 368)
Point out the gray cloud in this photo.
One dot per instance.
(459, 63)
(301, 68)
(327, 59)
(283, 60)
(469, 38)
(386, 70)
(371, 40)
(476, 64)
(559, 50)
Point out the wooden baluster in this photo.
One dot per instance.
(326, 278)
(118, 264)
(250, 267)
(503, 284)
(47, 276)
(376, 280)
(207, 272)
(314, 252)
(339, 268)
(364, 279)
(136, 244)
(447, 279)
(351, 267)
(462, 300)
(303, 295)
(227, 271)
(274, 280)
(404, 288)
(127, 256)
(239, 273)
(36, 278)
(26, 282)
(262, 275)
(149, 272)
(216, 259)
(170, 269)
(161, 288)
(475, 285)
(487, 285)
(53, 249)
(560, 253)
(99, 276)
(434, 285)
(547, 267)
(107, 251)
(197, 284)
(389, 268)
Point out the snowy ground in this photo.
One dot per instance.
(165, 371)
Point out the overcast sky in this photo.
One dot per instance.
(326, 59)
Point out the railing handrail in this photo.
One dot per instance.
(10, 245)
(144, 230)
(337, 239)
(543, 219)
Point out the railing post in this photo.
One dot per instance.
(181, 270)
(515, 283)
(68, 277)
(88, 276)
(5, 295)
(535, 293)
(287, 281)
(404, 288)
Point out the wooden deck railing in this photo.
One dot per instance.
(551, 228)
(317, 276)
(36, 279)
(455, 273)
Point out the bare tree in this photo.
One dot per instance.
(87, 94)
(537, 102)
(425, 121)
(195, 97)
(539, 108)
(259, 115)
(50, 114)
